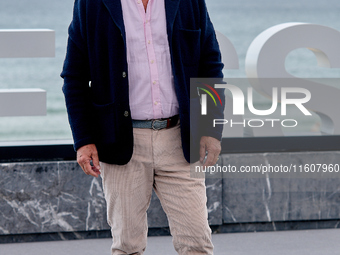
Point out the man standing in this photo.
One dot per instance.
(127, 89)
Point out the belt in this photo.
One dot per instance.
(156, 124)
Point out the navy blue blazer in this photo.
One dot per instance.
(96, 75)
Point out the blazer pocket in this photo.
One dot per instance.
(105, 123)
(190, 46)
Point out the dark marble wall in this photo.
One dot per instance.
(52, 197)
(286, 196)
(49, 197)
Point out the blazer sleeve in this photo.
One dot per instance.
(211, 67)
(76, 75)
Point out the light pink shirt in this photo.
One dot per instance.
(151, 85)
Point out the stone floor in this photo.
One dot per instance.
(302, 242)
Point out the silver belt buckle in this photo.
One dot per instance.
(153, 125)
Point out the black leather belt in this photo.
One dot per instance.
(156, 124)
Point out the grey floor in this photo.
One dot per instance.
(311, 242)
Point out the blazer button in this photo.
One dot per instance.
(124, 74)
(126, 113)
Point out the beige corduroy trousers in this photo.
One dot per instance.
(158, 163)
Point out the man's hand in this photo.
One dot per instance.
(213, 147)
(84, 156)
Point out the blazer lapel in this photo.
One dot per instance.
(171, 7)
(116, 12)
